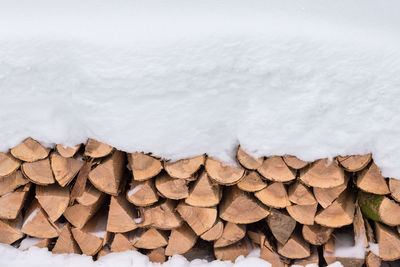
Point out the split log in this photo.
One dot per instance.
(394, 186)
(281, 225)
(184, 168)
(67, 152)
(122, 242)
(38, 172)
(157, 255)
(214, 232)
(323, 174)
(161, 216)
(294, 162)
(181, 240)
(80, 183)
(78, 215)
(379, 208)
(8, 164)
(96, 149)
(266, 253)
(88, 243)
(371, 180)
(360, 234)
(222, 173)
(9, 234)
(65, 243)
(275, 169)
(12, 203)
(151, 239)
(372, 260)
(339, 213)
(29, 242)
(255, 236)
(90, 196)
(274, 195)
(64, 169)
(248, 161)
(53, 199)
(121, 217)
(304, 214)
(252, 182)
(312, 260)
(231, 234)
(203, 193)
(316, 234)
(171, 188)
(239, 207)
(354, 163)
(325, 196)
(294, 248)
(230, 253)
(37, 224)
(30, 150)
(142, 193)
(143, 166)
(300, 194)
(199, 219)
(107, 176)
(10, 183)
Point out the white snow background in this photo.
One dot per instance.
(182, 77)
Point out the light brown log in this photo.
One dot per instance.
(281, 225)
(394, 186)
(252, 182)
(255, 236)
(232, 233)
(121, 217)
(339, 213)
(300, 194)
(37, 224)
(275, 169)
(230, 253)
(65, 243)
(8, 164)
(313, 259)
(38, 172)
(67, 152)
(295, 248)
(9, 234)
(372, 260)
(371, 180)
(30, 150)
(142, 193)
(143, 166)
(78, 215)
(90, 196)
(304, 214)
(107, 176)
(325, 196)
(294, 162)
(172, 188)
(88, 243)
(379, 208)
(323, 174)
(204, 193)
(214, 232)
(239, 207)
(12, 182)
(360, 234)
(181, 240)
(354, 163)
(12, 203)
(248, 161)
(53, 199)
(274, 195)
(161, 216)
(121, 242)
(151, 239)
(96, 149)
(184, 168)
(316, 234)
(80, 183)
(266, 253)
(222, 173)
(157, 255)
(64, 169)
(199, 219)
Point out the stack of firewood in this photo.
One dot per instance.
(94, 199)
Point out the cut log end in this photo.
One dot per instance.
(248, 161)
(222, 173)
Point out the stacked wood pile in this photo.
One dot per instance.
(94, 199)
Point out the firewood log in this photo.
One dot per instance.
(96, 149)
(252, 182)
(199, 219)
(360, 233)
(325, 196)
(12, 203)
(354, 163)
(316, 234)
(231, 234)
(121, 217)
(38, 172)
(239, 207)
(78, 215)
(161, 216)
(379, 208)
(67, 152)
(215, 232)
(300, 194)
(394, 186)
(373, 260)
(143, 166)
(53, 199)
(274, 196)
(64, 169)
(151, 239)
(275, 169)
(37, 224)
(204, 193)
(142, 193)
(330, 256)
(312, 260)
(30, 150)
(322, 174)
(230, 253)
(295, 163)
(122, 242)
(65, 243)
(8, 233)
(90, 196)
(184, 168)
(222, 173)
(266, 253)
(371, 180)
(281, 225)
(181, 240)
(304, 214)
(8, 164)
(295, 248)
(157, 255)
(29, 242)
(248, 161)
(13, 181)
(172, 188)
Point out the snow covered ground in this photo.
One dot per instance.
(180, 78)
